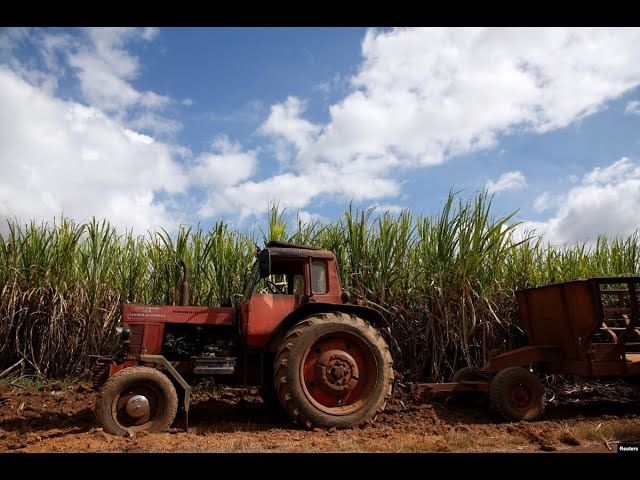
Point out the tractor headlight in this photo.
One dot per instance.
(124, 332)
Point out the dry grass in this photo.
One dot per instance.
(627, 430)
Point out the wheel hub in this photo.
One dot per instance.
(521, 396)
(137, 406)
(337, 370)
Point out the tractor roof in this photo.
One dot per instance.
(282, 249)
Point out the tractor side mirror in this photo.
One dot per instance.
(264, 261)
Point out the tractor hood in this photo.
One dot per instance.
(133, 314)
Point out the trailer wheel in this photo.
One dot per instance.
(516, 394)
(137, 399)
(333, 370)
(466, 374)
(467, 398)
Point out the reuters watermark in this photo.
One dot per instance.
(629, 448)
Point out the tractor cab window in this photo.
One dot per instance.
(287, 278)
(318, 277)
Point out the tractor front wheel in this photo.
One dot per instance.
(137, 399)
(333, 370)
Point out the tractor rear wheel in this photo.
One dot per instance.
(333, 370)
(137, 399)
(516, 394)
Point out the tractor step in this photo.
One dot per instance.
(214, 365)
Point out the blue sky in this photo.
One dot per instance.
(156, 127)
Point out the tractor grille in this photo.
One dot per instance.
(101, 371)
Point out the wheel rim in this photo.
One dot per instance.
(137, 406)
(521, 397)
(338, 373)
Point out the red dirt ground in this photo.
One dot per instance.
(580, 417)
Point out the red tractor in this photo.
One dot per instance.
(294, 334)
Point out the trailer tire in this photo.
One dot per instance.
(333, 369)
(516, 394)
(467, 398)
(137, 399)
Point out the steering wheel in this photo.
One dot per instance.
(274, 288)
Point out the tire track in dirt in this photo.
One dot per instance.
(62, 419)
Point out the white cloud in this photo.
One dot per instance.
(286, 120)
(62, 157)
(544, 202)
(294, 191)
(604, 202)
(9, 37)
(431, 93)
(633, 107)
(324, 88)
(615, 173)
(310, 218)
(419, 97)
(385, 207)
(424, 95)
(253, 198)
(105, 70)
(227, 167)
(155, 124)
(289, 129)
(507, 181)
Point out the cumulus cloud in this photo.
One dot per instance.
(227, 167)
(544, 202)
(294, 191)
(101, 62)
(418, 98)
(385, 207)
(286, 120)
(604, 201)
(308, 218)
(291, 132)
(507, 181)
(633, 107)
(432, 93)
(105, 69)
(424, 95)
(155, 124)
(62, 157)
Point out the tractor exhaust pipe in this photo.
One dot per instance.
(184, 290)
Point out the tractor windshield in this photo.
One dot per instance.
(251, 279)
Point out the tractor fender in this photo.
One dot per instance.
(372, 316)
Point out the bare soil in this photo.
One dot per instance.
(580, 417)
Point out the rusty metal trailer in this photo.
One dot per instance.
(588, 328)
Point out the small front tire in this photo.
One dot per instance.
(137, 399)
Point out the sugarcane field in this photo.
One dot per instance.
(202, 385)
(341, 239)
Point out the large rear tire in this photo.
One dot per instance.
(333, 370)
(137, 399)
(516, 394)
